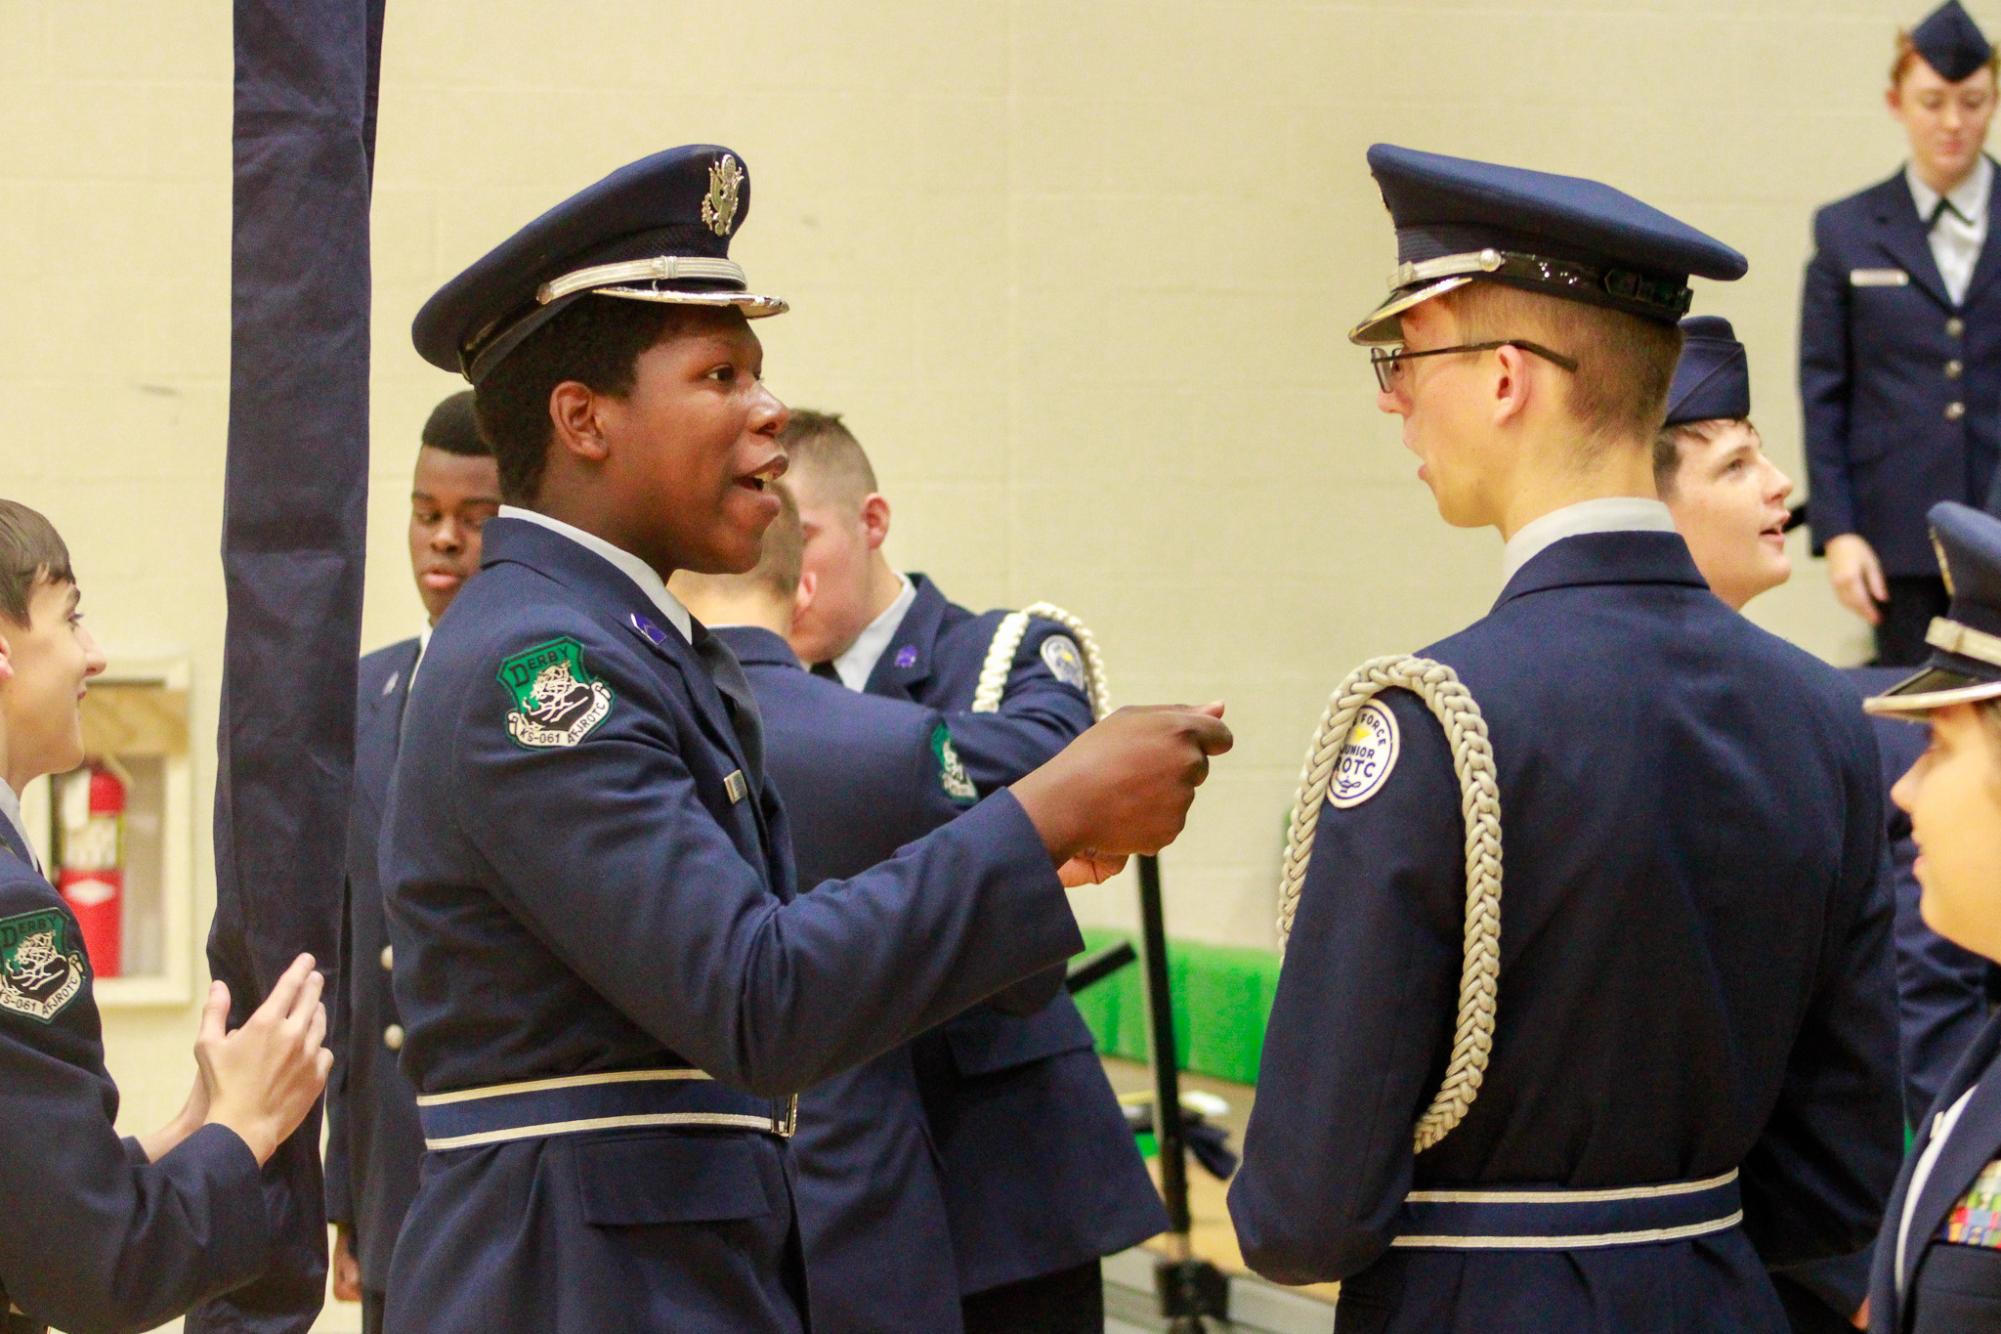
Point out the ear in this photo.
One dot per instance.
(6, 654)
(1512, 385)
(875, 519)
(1893, 98)
(802, 596)
(574, 410)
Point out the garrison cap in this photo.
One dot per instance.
(1713, 377)
(1965, 664)
(1951, 42)
(657, 229)
(1458, 221)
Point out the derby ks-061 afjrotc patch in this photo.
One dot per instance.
(557, 702)
(1064, 661)
(39, 972)
(952, 775)
(1367, 759)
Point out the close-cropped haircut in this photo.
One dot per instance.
(1904, 51)
(596, 342)
(31, 552)
(1625, 363)
(1668, 446)
(779, 561)
(452, 428)
(821, 445)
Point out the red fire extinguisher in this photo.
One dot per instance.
(90, 860)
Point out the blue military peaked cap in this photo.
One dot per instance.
(1965, 664)
(1460, 221)
(658, 229)
(1951, 42)
(1713, 377)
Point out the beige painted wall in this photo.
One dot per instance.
(1078, 273)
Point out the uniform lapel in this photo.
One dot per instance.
(1901, 233)
(378, 729)
(907, 662)
(1989, 264)
(1975, 1141)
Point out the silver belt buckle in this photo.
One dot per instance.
(783, 1123)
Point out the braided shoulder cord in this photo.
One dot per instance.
(1480, 806)
(1007, 642)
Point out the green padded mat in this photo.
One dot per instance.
(1229, 987)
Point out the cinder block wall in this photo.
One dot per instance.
(1078, 273)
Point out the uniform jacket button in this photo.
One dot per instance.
(1954, 369)
(392, 1037)
(388, 957)
(1954, 411)
(1954, 327)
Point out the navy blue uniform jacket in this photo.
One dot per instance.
(1883, 362)
(623, 903)
(374, 1145)
(1041, 1172)
(1694, 976)
(861, 777)
(96, 1238)
(1947, 1288)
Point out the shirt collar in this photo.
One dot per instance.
(1968, 199)
(1611, 514)
(624, 561)
(423, 646)
(858, 663)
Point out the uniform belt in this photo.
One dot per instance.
(1543, 1219)
(613, 1100)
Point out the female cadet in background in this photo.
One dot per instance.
(1900, 341)
(1938, 1257)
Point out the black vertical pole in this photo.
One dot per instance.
(1166, 1073)
(1189, 1289)
(295, 494)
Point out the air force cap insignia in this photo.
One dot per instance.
(1367, 759)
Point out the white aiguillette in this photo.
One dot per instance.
(1878, 278)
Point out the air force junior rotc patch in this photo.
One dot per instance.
(952, 775)
(1367, 759)
(1065, 663)
(39, 973)
(557, 702)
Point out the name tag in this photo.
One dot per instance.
(1878, 278)
(736, 786)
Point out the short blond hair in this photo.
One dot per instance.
(1625, 363)
(823, 448)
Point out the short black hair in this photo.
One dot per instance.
(31, 552)
(596, 342)
(451, 428)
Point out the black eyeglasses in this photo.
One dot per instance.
(1388, 361)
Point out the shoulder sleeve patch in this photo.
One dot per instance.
(556, 701)
(1367, 759)
(41, 968)
(952, 776)
(1065, 661)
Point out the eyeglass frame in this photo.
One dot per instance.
(1384, 360)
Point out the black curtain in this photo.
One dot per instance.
(294, 523)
